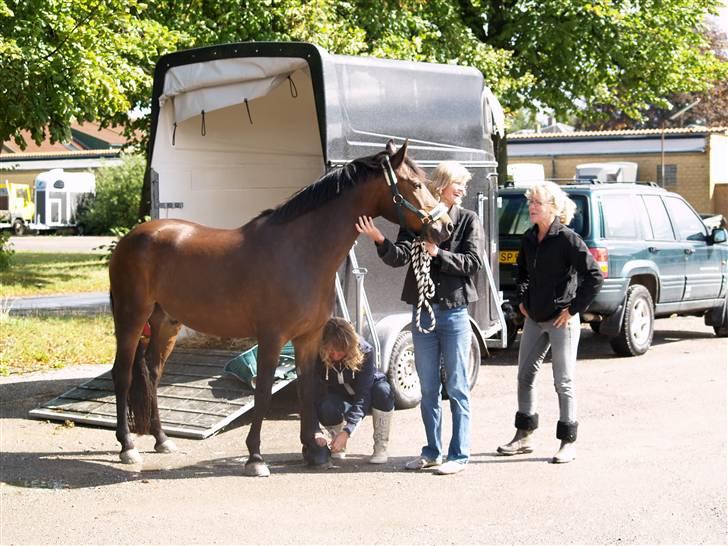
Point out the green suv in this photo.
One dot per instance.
(657, 256)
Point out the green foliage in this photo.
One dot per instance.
(118, 193)
(74, 59)
(93, 60)
(6, 251)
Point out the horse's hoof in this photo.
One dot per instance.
(130, 456)
(317, 456)
(257, 470)
(168, 446)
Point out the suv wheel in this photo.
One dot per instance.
(721, 330)
(635, 336)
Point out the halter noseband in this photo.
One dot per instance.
(425, 217)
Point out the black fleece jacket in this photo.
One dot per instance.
(557, 273)
(454, 268)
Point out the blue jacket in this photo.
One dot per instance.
(360, 383)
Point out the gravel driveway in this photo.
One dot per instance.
(651, 467)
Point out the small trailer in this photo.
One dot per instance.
(238, 128)
(58, 194)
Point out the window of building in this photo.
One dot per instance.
(670, 175)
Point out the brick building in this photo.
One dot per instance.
(695, 160)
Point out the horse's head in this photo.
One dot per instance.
(409, 203)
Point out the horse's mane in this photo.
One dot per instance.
(326, 188)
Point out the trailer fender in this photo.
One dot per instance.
(387, 331)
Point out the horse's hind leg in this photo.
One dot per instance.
(129, 350)
(161, 342)
(268, 354)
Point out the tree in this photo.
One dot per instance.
(84, 60)
(711, 108)
(93, 59)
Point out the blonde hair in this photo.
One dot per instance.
(339, 335)
(560, 203)
(446, 173)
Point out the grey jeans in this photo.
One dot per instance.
(536, 340)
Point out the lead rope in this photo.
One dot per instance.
(425, 287)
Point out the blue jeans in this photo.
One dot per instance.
(449, 342)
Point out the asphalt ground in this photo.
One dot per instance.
(650, 467)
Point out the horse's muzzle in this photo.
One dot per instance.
(439, 231)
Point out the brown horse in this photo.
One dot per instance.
(271, 279)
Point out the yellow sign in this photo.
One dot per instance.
(508, 256)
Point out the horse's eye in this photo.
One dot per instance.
(417, 185)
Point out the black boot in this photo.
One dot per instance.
(521, 443)
(566, 432)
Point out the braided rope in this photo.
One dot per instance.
(425, 287)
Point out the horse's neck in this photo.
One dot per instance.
(331, 227)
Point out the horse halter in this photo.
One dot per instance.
(425, 217)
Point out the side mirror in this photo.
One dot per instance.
(718, 235)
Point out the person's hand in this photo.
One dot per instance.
(339, 441)
(320, 439)
(365, 225)
(562, 319)
(523, 310)
(431, 248)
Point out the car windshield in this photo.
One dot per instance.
(513, 215)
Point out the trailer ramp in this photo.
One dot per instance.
(197, 396)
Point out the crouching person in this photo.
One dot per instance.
(351, 386)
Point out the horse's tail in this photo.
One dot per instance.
(140, 393)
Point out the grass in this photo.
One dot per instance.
(30, 344)
(46, 273)
(36, 343)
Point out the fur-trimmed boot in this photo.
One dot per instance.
(333, 431)
(566, 432)
(382, 424)
(521, 443)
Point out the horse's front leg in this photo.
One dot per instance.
(306, 354)
(268, 356)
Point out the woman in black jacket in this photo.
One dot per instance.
(557, 279)
(453, 267)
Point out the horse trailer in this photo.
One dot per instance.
(238, 128)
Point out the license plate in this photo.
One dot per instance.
(508, 256)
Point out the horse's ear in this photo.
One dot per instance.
(390, 147)
(398, 158)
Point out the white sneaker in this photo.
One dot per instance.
(422, 462)
(450, 467)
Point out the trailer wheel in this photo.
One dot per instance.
(18, 227)
(403, 377)
(402, 374)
